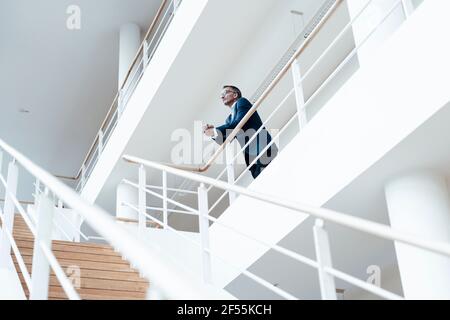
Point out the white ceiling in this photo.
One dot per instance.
(67, 79)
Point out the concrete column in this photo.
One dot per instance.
(418, 204)
(126, 194)
(130, 40)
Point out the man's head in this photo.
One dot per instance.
(230, 94)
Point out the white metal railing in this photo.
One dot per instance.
(143, 57)
(167, 280)
(296, 92)
(326, 272)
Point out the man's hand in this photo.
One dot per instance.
(208, 130)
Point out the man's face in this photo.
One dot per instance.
(228, 96)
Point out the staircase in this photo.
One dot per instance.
(103, 272)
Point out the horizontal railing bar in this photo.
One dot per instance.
(254, 277)
(20, 201)
(277, 248)
(172, 189)
(218, 201)
(168, 210)
(359, 224)
(363, 285)
(326, 82)
(194, 211)
(168, 277)
(269, 285)
(74, 227)
(60, 274)
(62, 230)
(282, 103)
(126, 220)
(263, 97)
(91, 148)
(141, 47)
(19, 207)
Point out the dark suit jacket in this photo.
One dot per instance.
(248, 131)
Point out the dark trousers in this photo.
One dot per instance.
(259, 166)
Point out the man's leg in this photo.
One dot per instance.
(255, 169)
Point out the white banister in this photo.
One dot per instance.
(83, 175)
(146, 58)
(142, 199)
(173, 281)
(8, 213)
(204, 232)
(100, 142)
(229, 154)
(299, 94)
(408, 7)
(323, 254)
(41, 268)
(165, 211)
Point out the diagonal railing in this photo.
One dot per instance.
(300, 116)
(167, 280)
(144, 55)
(327, 274)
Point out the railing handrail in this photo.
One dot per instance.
(122, 85)
(359, 224)
(255, 107)
(264, 95)
(167, 278)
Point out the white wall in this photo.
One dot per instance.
(375, 110)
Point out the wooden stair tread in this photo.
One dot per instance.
(101, 284)
(78, 256)
(127, 275)
(95, 294)
(71, 248)
(103, 272)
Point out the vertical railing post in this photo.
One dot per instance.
(146, 58)
(120, 106)
(204, 232)
(408, 8)
(142, 199)
(1, 162)
(41, 269)
(176, 4)
(299, 95)
(229, 156)
(8, 213)
(83, 176)
(100, 142)
(165, 213)
(323, 253)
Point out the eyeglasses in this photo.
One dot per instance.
(226, 92)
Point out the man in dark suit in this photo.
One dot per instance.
(232, 97)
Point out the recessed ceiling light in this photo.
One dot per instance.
(22, 110)
(299, 13)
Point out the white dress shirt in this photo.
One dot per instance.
(233, 113)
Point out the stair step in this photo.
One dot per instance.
(71, 247)
(101, 284)
(95, 294)
(103, 272)
(93, 265)
(79, 256)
